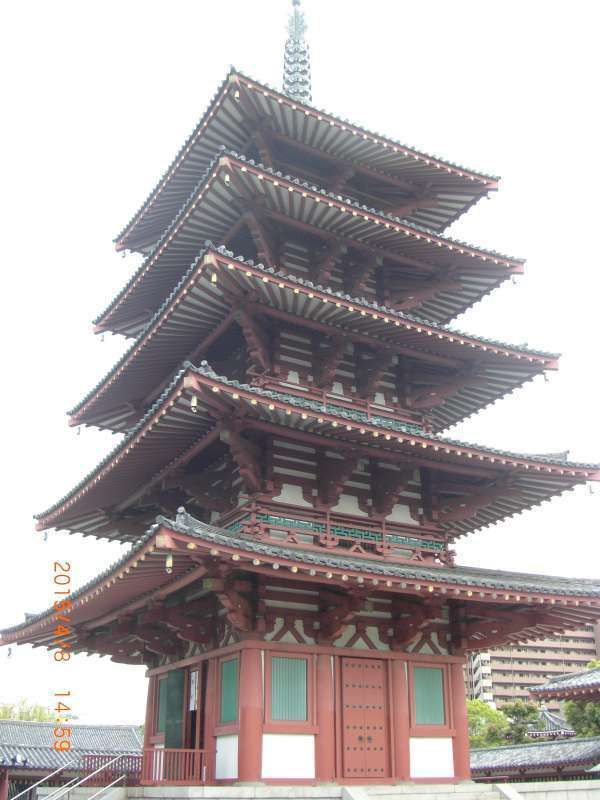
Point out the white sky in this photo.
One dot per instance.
(98, 97)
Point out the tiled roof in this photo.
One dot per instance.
(190, 312)
(381, 421)
(347, 206)
(551, 723)
(298, 402)
(33, 742)
(311, 415)
(587, 679)
(562, 752)
(391, 156)
(489, 579)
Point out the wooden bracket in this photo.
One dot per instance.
(247, 456)
(386, 487)
(336, 612)
(370, 370)
(327, 359)
(332, 474)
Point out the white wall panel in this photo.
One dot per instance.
(288, 756)
(431, 758)
(226, 766)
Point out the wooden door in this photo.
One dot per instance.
(364, 719)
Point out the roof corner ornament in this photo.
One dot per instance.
(296, 66)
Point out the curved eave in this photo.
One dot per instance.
(228, 120)
(141, 577)
(199, 305)
(172, 430)
(213, 209)
(542, 755)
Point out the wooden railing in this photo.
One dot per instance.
(172, 767)
(129, 764)
(282, 523)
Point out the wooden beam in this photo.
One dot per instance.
(320, 440)
(436, 395)
(370, 341)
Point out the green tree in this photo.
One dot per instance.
(24, 710)
(584, 715)
(487, 726)
(521, 716)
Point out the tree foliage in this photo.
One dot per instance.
(26, 711)
(521, 716)
(583, 716)
(487, 726)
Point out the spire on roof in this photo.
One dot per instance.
(296, 67)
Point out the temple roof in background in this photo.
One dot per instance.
(571, 685)
(542, 755)
(29, 745)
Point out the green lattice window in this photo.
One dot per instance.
(229, 690)
(161, 719)
(428, 685)
(289, 689)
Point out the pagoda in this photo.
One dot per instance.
(283, 477)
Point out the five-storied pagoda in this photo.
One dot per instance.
(283, 478)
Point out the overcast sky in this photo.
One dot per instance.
(98, 97)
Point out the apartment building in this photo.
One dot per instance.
(505, 674)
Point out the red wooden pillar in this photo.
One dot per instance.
(3, 784)
(462, 769)
(325, 753)
(401, 719)
(149, 720)
(251, 712)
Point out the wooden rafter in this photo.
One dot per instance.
(438, 393)
(407, 298)
(466, 506)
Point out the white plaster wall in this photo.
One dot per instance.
(431, 758)
(348, 504)
(401, 513)
(288, 756)
(293, 495)
(226, 766)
